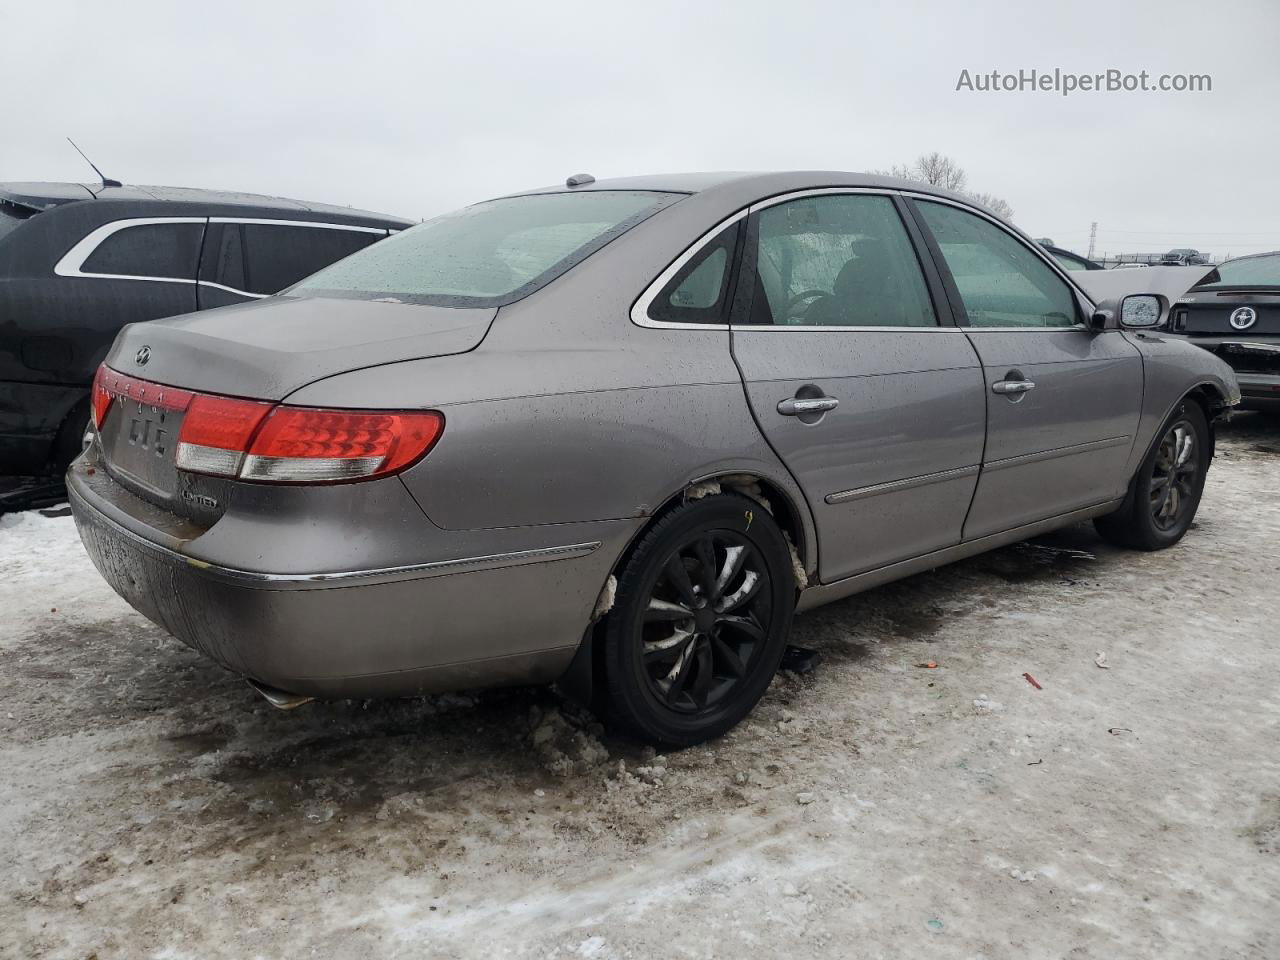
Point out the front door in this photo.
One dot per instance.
(1062, 399)
(858, 380)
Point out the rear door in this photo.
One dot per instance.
(857, 377)
(1062, 399)
(252, 258)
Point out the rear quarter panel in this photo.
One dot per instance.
(570, 412)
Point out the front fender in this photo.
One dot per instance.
(1172, 369)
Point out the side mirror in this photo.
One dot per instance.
(1141, 311)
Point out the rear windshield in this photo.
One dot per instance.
(1260, 271)
(489, 254)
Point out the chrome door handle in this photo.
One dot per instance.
(1013, 386)
(795, 407)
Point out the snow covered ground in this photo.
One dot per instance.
(152, 806)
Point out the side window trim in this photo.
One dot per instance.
(1084, 303)
(72, 262)
(640, 309)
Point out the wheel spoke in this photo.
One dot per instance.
(702, 674)
(1184, 444)
(706, 552)
(666, 610)
(733, 558)
(678, 574)
(728, 657)
(654, 647)
(679, 674)
(750, 584)
(744, 624)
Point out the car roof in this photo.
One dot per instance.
(1251, 256)
(43, 196)
(746, 182)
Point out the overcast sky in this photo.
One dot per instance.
(416, 108)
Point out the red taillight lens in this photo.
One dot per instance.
(101, 399)
(270, 443)
(109, 385)
(308, 445)
(216, 432)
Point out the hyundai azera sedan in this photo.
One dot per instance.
(615, 434)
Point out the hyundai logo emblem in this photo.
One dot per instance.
(144, 352)
(1242, 318)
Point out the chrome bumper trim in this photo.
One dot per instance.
(344, 578)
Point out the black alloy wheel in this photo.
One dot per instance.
(701, 619)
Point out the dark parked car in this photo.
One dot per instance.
(1184, 257)
(78, 262)
(1234, 311)
(617, 432)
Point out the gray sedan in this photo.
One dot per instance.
(614, 434)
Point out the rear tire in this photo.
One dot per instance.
(69, 443)
(1165, 492)
(703, 610)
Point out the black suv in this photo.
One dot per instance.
(78, 262)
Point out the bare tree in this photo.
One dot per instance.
(934, 168)
(939, 170)
(997, 206)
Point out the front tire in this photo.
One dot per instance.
(703, 610)
(1165, 492)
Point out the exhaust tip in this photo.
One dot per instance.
(279, 699)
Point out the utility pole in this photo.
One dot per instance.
(1093, 238)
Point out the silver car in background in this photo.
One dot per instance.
(616, 433)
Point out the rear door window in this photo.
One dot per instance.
(161, 250)
(837, 261)
(277, 256)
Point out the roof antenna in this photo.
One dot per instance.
(106, 181)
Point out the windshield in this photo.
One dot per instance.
(489, 254)
(1260, 271)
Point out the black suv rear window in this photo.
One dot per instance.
(489, 254)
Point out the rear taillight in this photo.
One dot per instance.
(109, 385)
(216, 432)
(305, 445)
(273, 443)
(101, 399)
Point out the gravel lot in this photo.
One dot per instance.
(152, 806)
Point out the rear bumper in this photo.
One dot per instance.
(1249, 358)
(486, 619)
(1259, 391)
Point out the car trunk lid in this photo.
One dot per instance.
(268, 349)
(262, 351)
